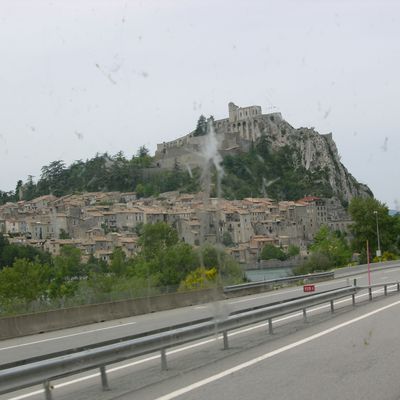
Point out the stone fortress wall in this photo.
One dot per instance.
(235, 133)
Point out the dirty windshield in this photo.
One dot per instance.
(199, 199)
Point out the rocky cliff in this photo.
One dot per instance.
(308, 162)
(314, 152)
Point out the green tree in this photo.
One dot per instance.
(25, 280)
(363, 228)
(175, 262)
(66, 272)
(315, 262)
(9, 253)
(293, 250)
(54, 179)
(271, 252)
(29, 189)
(229, 271)
(333, 245)
(142, 159)
(143, 151)
(163, 257)
(118, 262)
(201, 127)
(157, 238)
(19, 191)
(227, 239)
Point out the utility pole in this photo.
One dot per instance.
(378, 252)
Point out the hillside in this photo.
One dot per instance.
(263, 154)
(274, 160)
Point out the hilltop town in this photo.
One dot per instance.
(309, 150)
(97, 223)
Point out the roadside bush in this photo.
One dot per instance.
(316, 262)
(271, 252)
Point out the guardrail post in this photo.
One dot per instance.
(270, 327)
(47, 390)
(398, 286)
(332, 307)
(104, 380)
(353, 299)
(370, 293)
(164, 365)
(355, 282)
(385, 290)
(305, 315)
(226, 342)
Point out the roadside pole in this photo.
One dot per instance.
(369, 266)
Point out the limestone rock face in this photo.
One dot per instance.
(315, 152)
(311, 150)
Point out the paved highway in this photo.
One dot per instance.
(353, 356)
(36, 345)
(147, 370)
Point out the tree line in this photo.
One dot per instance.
(260, 172)
(104, 173)
(371, 223)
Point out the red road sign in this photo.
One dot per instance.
(309, 288)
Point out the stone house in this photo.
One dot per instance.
(236, 222)
(54, 246)
(189, 231)
(43, 202)
(153, 215)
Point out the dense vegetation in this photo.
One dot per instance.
(276, 174)
(259, 172)
(32, 280)
(333, 249)
(104, 173)
(271, 252)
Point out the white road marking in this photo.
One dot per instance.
(66, 336)
(132, 323)
(198, 344)
(265, 356)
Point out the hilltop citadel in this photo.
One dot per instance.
(101, 221)
(235, 133)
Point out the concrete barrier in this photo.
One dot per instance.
(28, 324)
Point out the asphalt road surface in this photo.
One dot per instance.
(203, 361)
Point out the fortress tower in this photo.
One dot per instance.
(242, 113)
(243, 126)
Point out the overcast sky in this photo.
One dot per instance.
(80, 77)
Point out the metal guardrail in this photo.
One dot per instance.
(289, 279)
(43, 371)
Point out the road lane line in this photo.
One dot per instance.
(65, 336)
(270, 354)
(188, 347)
(132, 323)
